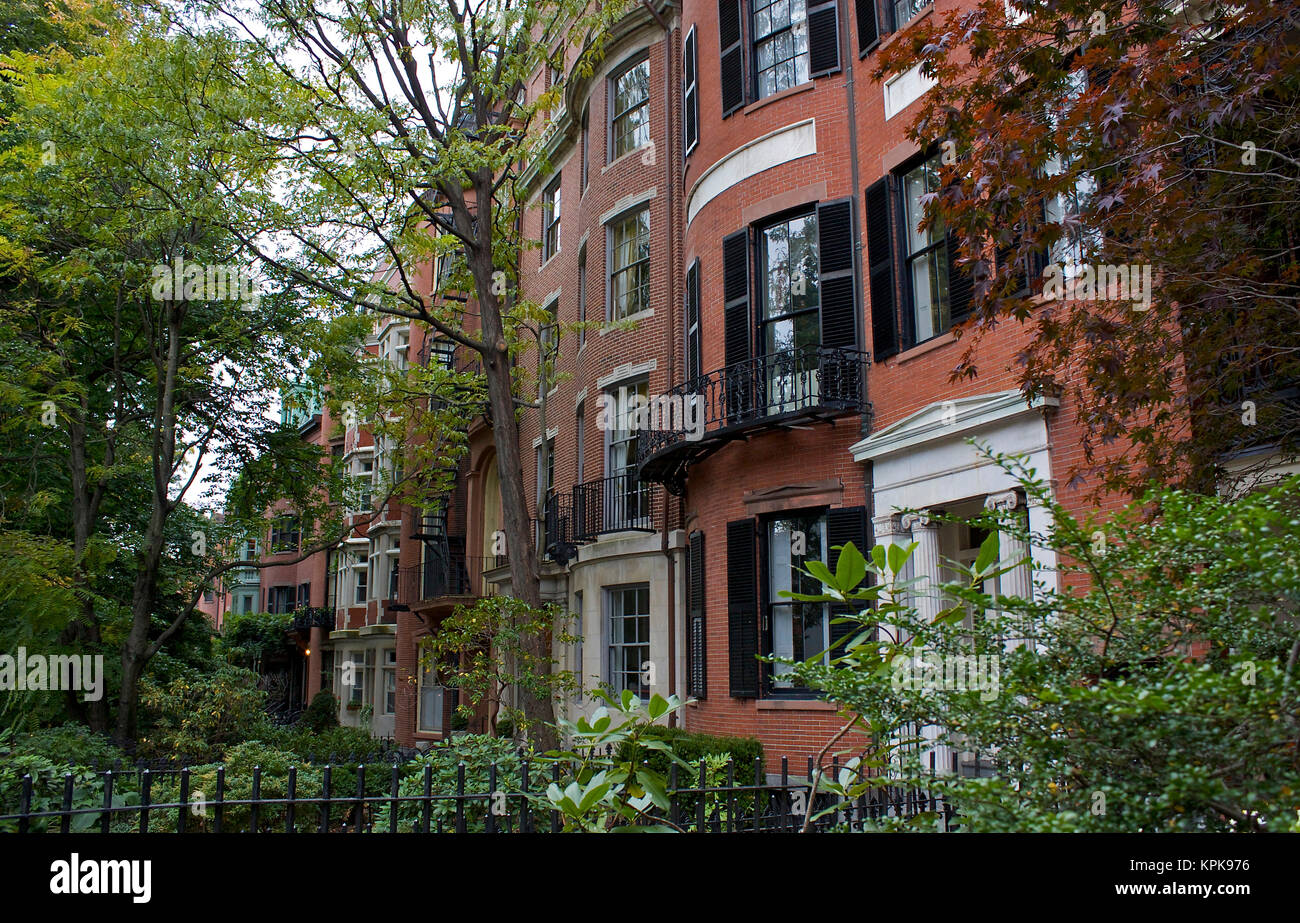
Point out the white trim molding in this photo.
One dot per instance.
(947, 419)
(770, 150)
(925, 461)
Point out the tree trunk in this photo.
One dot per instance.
(525, 580)
(137, 650)
(83, 629)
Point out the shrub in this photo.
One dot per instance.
(47, 791)
(70, 744)
(322, 713)
(334, 745)
(194, 718)
(478, 752)
(694, 747)
(240, 760)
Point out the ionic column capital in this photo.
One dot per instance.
(1005, 501)
(921, 519)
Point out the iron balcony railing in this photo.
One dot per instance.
(445, 572)
(802, 381)
(619, 503)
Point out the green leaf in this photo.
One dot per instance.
(823, 573)
(851, 568)
(898, 555)
(988, 553)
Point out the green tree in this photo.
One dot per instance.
(1161, 696)
(137, 345)
(491, 646)
(407, 138)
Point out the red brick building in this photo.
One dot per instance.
(734, 181)
(730, 212)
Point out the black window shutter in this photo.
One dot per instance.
(843, 526)
(960, 284)
(690, 94)
(823, 39)
(738, 324)
(742, 610)
(880, 260)
(835, 274)
(735, 294)
(693, 332)
(696, 672)
(733, 56)
(868, 25)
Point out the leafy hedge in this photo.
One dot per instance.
(477, 752)
(693, 747)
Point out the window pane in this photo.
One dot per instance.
(799, 630)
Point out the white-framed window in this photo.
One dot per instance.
(629, 638)
(389, 698)
(629, 108)
(690, 91)
(904, 11)
(359, 584)
(432, 700)
(551, 219)
(780, 45)
(578, 629)
(627, 500)
(369, 695)
(355, 693)
(629, 264)
(1074, 247)
(925, 256)
(798, 630)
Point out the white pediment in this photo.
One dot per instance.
(944, 420)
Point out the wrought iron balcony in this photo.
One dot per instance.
(446, 572)
(777, 391)
(620, 503)
(305, 619)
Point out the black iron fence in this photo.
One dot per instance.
(805, 380)
(402, 797)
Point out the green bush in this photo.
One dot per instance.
(194, 718)
(47, 791)
(322, 713)
(70, 744)
(335, 744)
(693, 747)
(240, 760)
(478, 752)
